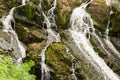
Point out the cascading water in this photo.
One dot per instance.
(49, 20)
(72, 76)
(81, 26)
(8, 28)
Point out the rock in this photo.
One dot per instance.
(115, 25)
(9, 43)
(33, 50)
(64, 9)
(29, 34)
(29, 14)
(59, 61)
(23, 33)
(84, 65)
(99, 15)
(46, 4)
(5, 6)
(36, 2)
(37, 35)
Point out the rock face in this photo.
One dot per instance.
(5, 6)
(30, 29)
(64, 9)
(96, 10)
(9, 44)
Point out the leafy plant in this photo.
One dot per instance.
(9, 71)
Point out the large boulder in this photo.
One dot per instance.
(99, 15)
(60, 62)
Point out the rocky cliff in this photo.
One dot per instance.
(30, 29)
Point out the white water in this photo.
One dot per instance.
(49, 20)
(8, 28)
(108, 2)
(72, 76)
(81, 23)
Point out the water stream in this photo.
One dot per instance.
(81, 26)
(9, 28)
(73, 75)
(52, 36)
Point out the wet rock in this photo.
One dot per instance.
(116, 42)
(99, 15)
(115, 25)
(64, 9)
(9, 43)
(46, 4)
(36, 2)
(23, 33)
(37, 35)
(59, 61)
(29, 14)
(88, 70)
(29, 34)
(5, 6)
(33, 50)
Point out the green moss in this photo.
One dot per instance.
(35, 2)
(115, 25)
(23, 32)
(58, 60)
(115, 67)
(63, 20)
(30, 11)
(31, 56)
(96, 48)
(46, 4)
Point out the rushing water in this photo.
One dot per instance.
(9, 28)
(81, 30)
(72, 76)
(49, 21)
(81, 26)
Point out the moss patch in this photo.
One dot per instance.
(58, 60)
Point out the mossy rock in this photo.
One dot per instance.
(29, 14)
(46, 4)
(23, 33)
(114, 66)
(58, 60)
(115, 25)
(64, 10)
(99, 15)
(5, 6)
(33, 50)
(35, 1)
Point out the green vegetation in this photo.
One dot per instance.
(9, 71)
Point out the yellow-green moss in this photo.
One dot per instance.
(58, 60)
(23, 32)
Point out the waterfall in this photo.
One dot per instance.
(8, 28)
(81, 26)
(49, 20)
